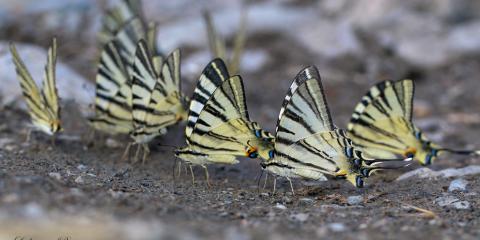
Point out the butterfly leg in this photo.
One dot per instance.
(207, 177)
(126, 152)
(137, 153)
(291, 185)
(29, 134)
(274, 185)
(265, 183)
(193, 176)
(52, 140)
(146, 152)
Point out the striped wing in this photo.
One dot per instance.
(304, 111)
(116, 17)
(49, 89)
(381, 123)
(44, 116)
(306, 144)
(223, 126)
(144, 81)
(212, 77)
(113, 93)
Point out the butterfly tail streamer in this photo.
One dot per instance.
(460, 152)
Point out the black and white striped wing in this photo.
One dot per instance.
(222, 126)
(304, 111)
(116, 17)
(146, 120)
(381, 123)
(307, 143)
(212, 77)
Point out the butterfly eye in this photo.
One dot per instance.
(270, 154)
(365, 172)
(418, 135)
(359, 181)
(258, 134)
(357, 162)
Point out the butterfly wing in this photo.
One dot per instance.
(211, 78)
(49, 89)
(147, 121)
(113, 92)
(116, 17)
(381, 123)
(304, 143)
(39, 113)
(222, 127)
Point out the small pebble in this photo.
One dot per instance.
(79, 180)
(355, 200)
(446, 200)
(81, 167)
(337, 227)
(306, 201)
(280, 206)
(458, 185)
(55, 175)
(299, 217)
(461, 205)
(112, 143)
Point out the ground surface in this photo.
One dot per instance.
(78, 182)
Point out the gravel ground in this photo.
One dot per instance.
(83, 191)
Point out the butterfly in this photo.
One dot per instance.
(113, 103)
(382, 125)
(157, 101)
(121, 14)
(218, 45)
(307, 143)
(218, 125)
(43, 105)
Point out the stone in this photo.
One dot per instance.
(446, 173)
(458, 185)
(461, 205)
(446, 200)
(299, 217)
(418, 173)
(55, 175)
(337, 227)
(355, 200)
(280, 206)
(79, 180)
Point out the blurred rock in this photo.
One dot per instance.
(461, 205)
(446, 200)
(446, 173)
(299, 217)
(70, 85)
(355, 200)
(450, 201)
(55, 175)
(337, 227)
(458, 185)
(280, 206)
(418, 173)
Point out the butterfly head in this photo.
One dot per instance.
(55, 126)
(426, 152)
(263, 142)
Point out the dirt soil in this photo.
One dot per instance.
(73, 178)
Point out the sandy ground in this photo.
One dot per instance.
(89, 187)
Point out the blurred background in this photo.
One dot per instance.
(354, 44)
